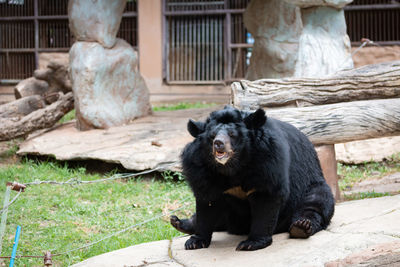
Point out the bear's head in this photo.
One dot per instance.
(225, 133)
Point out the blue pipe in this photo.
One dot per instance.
(15, 246)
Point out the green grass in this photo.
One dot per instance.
(68, 117)
(363, 195)
(167, 107)
(11, 147)
(350, 174)
(60, 218)
(64, 217)
(183, 105)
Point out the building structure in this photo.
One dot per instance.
(189, 50)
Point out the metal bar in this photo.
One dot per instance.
(30, 50)
(372, 7)
(196, 82)
(228, 50)
(167, 47)
(241, 45)
(36, 22)
(185, 49)
(58, 17)
(9, 81)
(207, 47)
(204, 12)
(195, 3)
(212, 49)
(4, 215)
(129, 14)
(15, 246)
(191, 54)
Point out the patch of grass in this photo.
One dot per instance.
(68, 117)
(9, 148)
(183, 105)
(363, 195)
(64, 217)
(350, 174)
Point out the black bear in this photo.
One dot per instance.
(252, 176)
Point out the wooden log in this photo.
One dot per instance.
(378, 81)
(344, 122)
(21, 107)
(39, 119)
(30, 86)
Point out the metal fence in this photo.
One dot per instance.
(205, 41)
(377, 20)
(39, 26)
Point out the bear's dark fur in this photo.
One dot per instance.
(252, 175)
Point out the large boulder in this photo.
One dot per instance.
(300, 38)
(108, 88)
(324, 46)
(96, 21)
(276, 27)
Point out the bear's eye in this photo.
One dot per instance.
(231, 134)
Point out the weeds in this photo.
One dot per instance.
(183, 105)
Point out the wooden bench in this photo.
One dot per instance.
(351, 105)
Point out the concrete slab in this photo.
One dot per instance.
(151, 142)
(377, 149)
(154, 254)
(361, 230)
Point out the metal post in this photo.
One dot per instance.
(4, 215)
(36, 21)
(227, 45)
(15, 246)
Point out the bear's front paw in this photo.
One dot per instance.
(255, 244)
(196, 242)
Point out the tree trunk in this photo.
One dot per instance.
(344, 122)
(39, 119)
(21, 107)
(378, 81)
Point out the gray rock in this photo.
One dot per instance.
(276, 27)
(96, 20)
(300, 38)
(108, 88)
(324, 46)
(377, 149)
(310, 3)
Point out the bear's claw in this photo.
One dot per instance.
(301, 229)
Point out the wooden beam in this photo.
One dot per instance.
(378, 81)
(344, 122)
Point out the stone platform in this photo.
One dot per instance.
(152, 142)
(156, 141)
(362, 233)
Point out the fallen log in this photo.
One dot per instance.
(377, 81)
(30, 86)
(39, 119)
(21, 107)
(344, 122)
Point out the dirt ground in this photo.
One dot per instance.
(6, 157)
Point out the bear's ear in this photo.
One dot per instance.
(255, 120)
(195, 127)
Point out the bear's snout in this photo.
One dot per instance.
(219, 145)
(222, 147)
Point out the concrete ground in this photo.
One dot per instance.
(362, 233)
